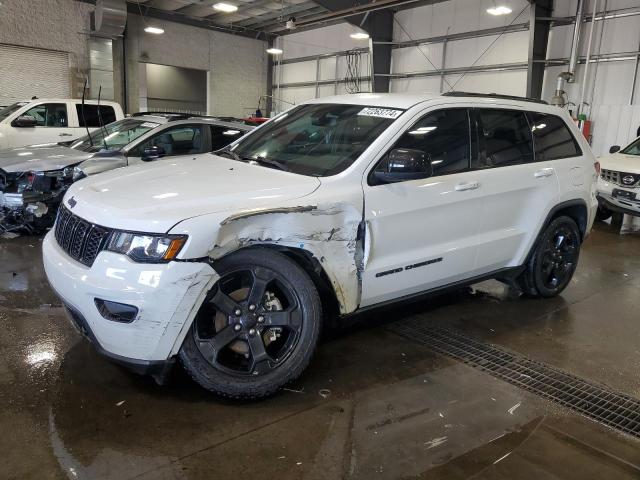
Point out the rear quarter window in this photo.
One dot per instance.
(552, 138)
(88, 115)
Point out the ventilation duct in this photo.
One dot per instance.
(110, 17)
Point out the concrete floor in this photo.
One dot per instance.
(372, 405)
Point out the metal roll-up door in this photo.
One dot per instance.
(28, 71)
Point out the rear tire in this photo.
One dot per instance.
(554, 259)
(257, 329)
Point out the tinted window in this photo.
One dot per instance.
(444, 137)
(223, 136)
(49, 115)
(552, 138)
(178, 140)
(90, 115)
(317, 139)
(505, 138)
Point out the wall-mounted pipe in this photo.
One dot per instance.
(573, 58)
(583, 87)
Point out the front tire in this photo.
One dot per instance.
(258, 327)
(554, 260)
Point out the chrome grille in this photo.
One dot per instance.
(80, 239)
(621, 178)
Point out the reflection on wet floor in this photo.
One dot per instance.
(371, 405)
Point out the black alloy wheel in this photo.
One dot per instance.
(256, 329)
(553, 260)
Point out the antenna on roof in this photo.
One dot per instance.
(102, 129)
(84, 89)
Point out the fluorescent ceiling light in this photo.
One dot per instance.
(359, 36)
(274, 51)
(501, 10)
(225, 7)
(155, 30)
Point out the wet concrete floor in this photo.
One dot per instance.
(371, 405)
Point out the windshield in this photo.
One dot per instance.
(6, 111)
(114, 136)
(317, 140)
(633, 149)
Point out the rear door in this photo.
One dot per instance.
(91, 116)
(520, 188)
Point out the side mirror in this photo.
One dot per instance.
(404, 164)
(614, 149)
(152, 153)
(24, 121)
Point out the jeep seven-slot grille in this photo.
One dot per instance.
(620, 178)
(80, 239)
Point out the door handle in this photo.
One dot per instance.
(461, 187)
(65, 135)
(545, 172)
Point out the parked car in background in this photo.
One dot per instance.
(33, 179)
(46, 120)
(618, 187)
(229, 260)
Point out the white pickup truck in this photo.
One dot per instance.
(53, 120)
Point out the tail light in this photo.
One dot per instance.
(597, 167)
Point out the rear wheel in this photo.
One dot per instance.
(554, 259)
(257, 328)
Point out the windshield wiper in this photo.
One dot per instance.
(269, 163)
(229, 152)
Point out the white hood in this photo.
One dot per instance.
(621, 162)
(40, 158)
(153, 197)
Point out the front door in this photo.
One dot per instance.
(422, 233)
(52, 126)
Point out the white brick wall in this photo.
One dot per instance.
(237, 65)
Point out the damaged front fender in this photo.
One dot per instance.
(329, 232)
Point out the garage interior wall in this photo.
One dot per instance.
(321, 75)
(60, 52)
(174, 89)
(615, 118)
(237, 66)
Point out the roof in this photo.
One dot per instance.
(407, 100)
(57, 100)
(179, 118)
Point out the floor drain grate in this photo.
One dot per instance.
(594, 401)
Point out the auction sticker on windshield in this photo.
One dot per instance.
(380, 112)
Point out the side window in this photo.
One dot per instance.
(505, 138)
(444, 136)
(49, 115)
(178, 140)
(223, 136)
(553, 139)
(89, 113)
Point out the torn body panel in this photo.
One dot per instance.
(330, 232)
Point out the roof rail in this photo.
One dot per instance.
(163, 114)
(494, 95)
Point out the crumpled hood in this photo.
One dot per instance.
(40, 158)
(155, 196)
(621, 162)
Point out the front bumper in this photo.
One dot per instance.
(167, 297)
(605, 197)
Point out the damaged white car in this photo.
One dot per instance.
(232, 261)
(33, 179)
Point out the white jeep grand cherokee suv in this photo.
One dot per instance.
(230, 261)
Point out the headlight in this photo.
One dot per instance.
(147, 248)
(78, 174)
